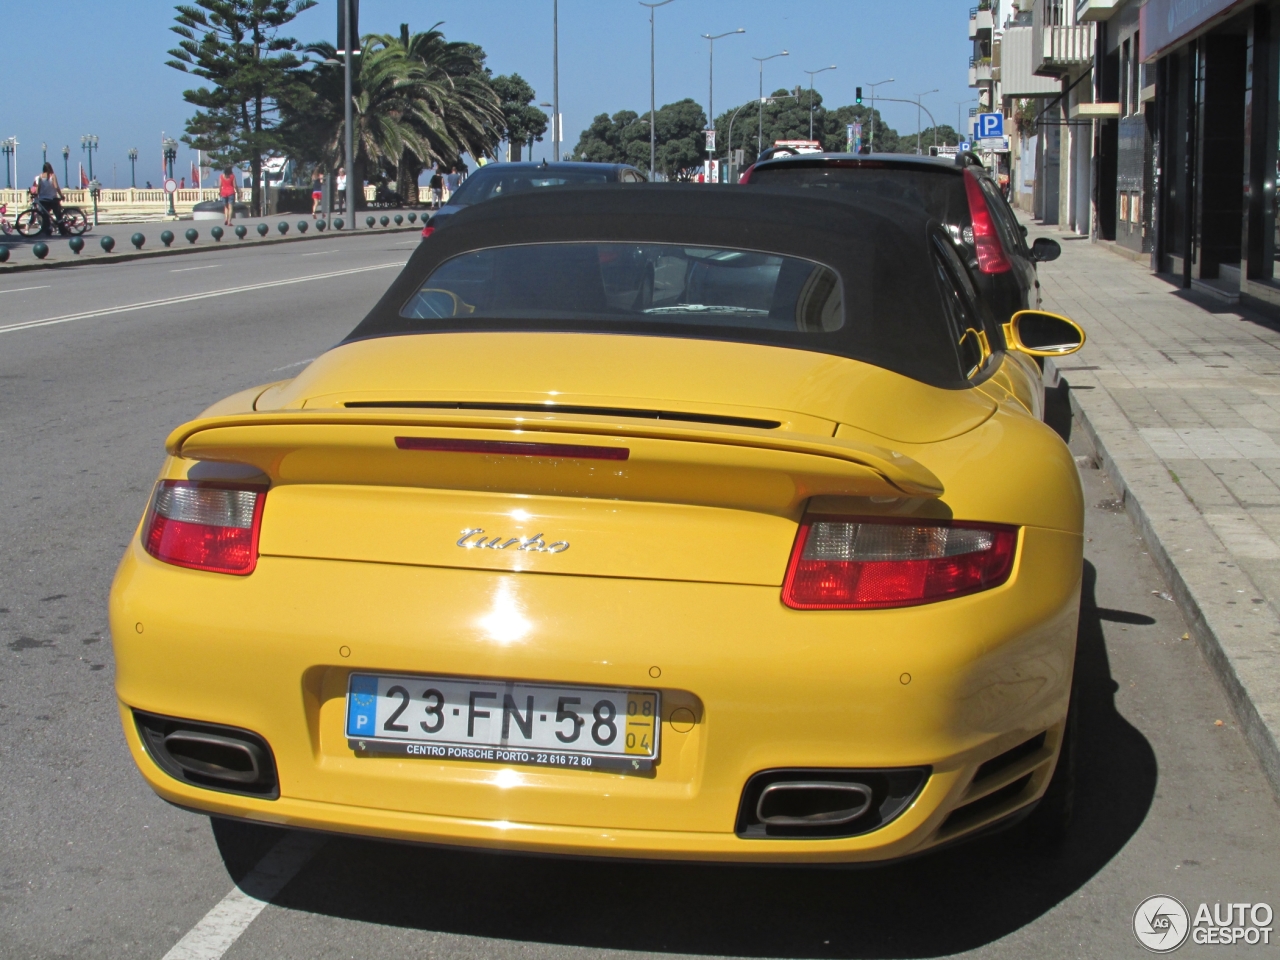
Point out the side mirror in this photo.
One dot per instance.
(1041, 334)
(1044, 249)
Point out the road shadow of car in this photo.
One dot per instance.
(947, 902)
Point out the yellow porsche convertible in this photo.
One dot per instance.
(648, 521)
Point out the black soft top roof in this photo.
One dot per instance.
(895, 315)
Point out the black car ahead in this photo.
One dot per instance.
(959, 192)
(507, 179)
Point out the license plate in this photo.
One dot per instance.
(552, 725)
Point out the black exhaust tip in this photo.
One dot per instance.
(210, 755)
(823, 804)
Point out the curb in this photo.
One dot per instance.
(234, 244)
(1259, 734)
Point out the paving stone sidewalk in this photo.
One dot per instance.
(1181, 397)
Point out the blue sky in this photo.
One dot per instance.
(117, 86)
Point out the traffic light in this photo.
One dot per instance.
(857, 94)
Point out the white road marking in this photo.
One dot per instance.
(211, 266)
(222, 926)
(20, 289)
(318, 253)
(290, 366)
(148, 304)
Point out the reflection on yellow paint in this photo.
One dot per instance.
(505, 779)
(505, 622)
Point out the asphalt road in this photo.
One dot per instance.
(93, 865)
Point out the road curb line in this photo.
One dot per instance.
(236, 244)
(1258, 733)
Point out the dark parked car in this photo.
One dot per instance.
(507, 179)
(959, 192)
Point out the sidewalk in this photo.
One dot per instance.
(1181, 397)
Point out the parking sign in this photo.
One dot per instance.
(990, 125)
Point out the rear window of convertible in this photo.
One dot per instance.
(624, 283)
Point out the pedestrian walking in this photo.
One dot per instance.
(317, 191)
(451, 180)
(435, 185)
(341, 180)
(227, 191)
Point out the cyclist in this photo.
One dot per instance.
(49, 197)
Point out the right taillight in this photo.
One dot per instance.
(844, 563)
(986, 242)
(427, 231)
(205, 525)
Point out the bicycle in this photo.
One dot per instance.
(35, 220)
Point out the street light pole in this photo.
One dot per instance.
(555, 79)
(89, 143)
(170, 149)
(728, 153)
(711, 80)
(811, 74)
(653, 137)
(935, 126)
(66, 165)
(871, 141)
(959, 121)
(7, 148)
(760, 131)
(133, 167)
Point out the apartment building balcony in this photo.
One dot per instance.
(1091, 10)
(979, 71)
(1062, 50)
(981, 22)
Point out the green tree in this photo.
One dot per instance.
(254, 72)
(624, 138)
(946, 135)
(522, 123)
(835, 129)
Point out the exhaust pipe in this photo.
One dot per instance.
(808, 803)
(217, 757)
(209, 755)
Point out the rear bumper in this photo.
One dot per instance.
(948, 686)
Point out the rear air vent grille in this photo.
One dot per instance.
(970, 813)
(1009, 758)
(674, 415)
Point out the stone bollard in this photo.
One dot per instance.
(138, 239)
(76, 244)
(216, 233)
(320, 225)
(4, 254)
(413, 218)
(41, 250)
(262, 229)
(192, 234)
(338, 224)
(241, 230)
(383, 220)
(302, 226)
(166, 237)
(107, 243)
(282, 227)
(398, 219)
(369, 222)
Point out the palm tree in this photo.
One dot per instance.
(417, 100)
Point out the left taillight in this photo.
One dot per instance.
(205, 525)
(844, 563)
(427, 231)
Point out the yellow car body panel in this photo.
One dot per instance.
(672, 584)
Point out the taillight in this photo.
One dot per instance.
(427, 231)
(991, 256)
(205, 525)
(841, 563)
